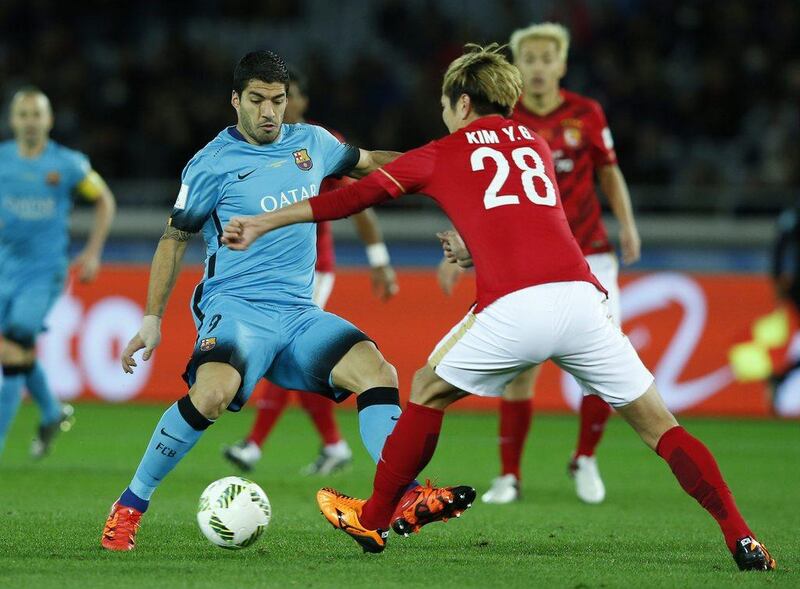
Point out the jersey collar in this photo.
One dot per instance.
(236, 134)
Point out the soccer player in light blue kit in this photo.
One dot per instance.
(38, 180)
(253, 310)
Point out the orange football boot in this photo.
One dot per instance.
(424, 505)
(343, 513)
(121, 526)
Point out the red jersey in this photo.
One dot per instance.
(326, 255)
(581, 142)
(495, 181)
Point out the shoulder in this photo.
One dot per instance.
(583, 104)
(309, 132)
(70, 157)
(212, 157)
(333, 132)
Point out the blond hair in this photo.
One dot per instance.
(546, 30)
(486, 76)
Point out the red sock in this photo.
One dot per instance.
(697, 472)
(270, 407)
(320, 410)
(407, 451)
(515, 421)
(594, 416)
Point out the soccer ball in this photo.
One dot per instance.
(233, 512)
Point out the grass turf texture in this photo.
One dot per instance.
(647, 533)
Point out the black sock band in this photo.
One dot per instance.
(17, 369)
(192, 416)
(378, 396)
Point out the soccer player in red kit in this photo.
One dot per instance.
(334, 453)
(537, 300)
(575, 128)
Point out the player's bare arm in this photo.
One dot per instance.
(613, 185)
(369, 161)
(164, 271)
(384, 279)
(94, 188)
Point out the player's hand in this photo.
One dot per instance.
(147, 338)
(630, 244)
(448, 275)
(384, 282)
(88, 265)
(454, 248)
(241, 232)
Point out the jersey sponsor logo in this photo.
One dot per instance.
(53, 178)
(183, 193)
(30, 208)
(302, 159)
(572, 137)
(208, 343)
(272, 203)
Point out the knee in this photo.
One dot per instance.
(386, 374)
(379, 374)
(15, 354)
(210, 399)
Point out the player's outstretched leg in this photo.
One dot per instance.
(175, 434)
(698, 474)
(516, 411)
(56, 416)
(270, 407)
(407, 451)
(335, 453)
(594, 415)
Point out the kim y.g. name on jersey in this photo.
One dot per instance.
(510, 133)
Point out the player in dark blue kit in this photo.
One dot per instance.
(254, 313)
(38, 180)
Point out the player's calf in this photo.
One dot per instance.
(698, 474)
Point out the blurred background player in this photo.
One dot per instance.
(335, 453)
(38, 180)
(575, 128)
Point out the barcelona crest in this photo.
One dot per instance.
(207, 344)
(303, 160)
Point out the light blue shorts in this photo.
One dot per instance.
(293, 346)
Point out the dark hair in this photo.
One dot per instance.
(299, 80)
(265, 66)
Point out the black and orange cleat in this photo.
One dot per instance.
(343, 513)
(752, 555)
(121, 526)
(424, 505)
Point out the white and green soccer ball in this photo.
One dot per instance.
(233, 512)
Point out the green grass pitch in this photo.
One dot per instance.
(648, 533)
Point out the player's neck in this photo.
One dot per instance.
(31, 150)
(543, 104)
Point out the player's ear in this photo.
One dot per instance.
(235, 99)
(465, 106)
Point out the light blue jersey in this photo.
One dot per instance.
(230, 177)
(253, 309)
(36, 196)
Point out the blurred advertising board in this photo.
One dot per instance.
(683, 326)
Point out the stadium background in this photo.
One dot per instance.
(701, 97)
